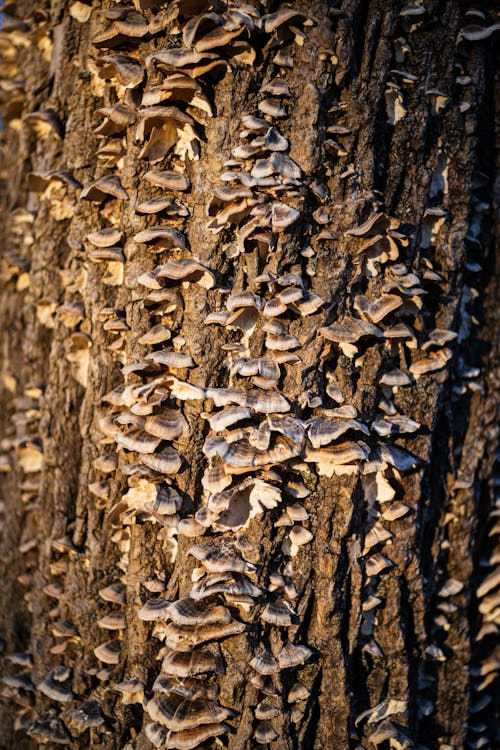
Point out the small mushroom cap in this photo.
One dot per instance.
(185, 637)
(138, 440)
(168, 179)
(113, 621)
(219, 558)
(49, 729)
(349, 330)
(159, 205)
(108, 652)
(187, 269)
(198, 661)
(186, 611)
(264, 733)
(57, 684)
(293, 655)
(88, 714)
(115, 592)
(300, 535)
(104, 189)
(166, 237)
(186, 739)
(264, 662)
(168, 461)
(277, 613)
(224, 583)
(283, 17)
(188, 687)
(154, 609)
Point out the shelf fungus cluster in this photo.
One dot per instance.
(233, 382)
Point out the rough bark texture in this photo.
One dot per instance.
(390, 120)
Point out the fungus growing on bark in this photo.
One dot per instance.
(105, 188)
(57, 684)
(87, 715)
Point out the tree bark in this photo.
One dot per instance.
(360, 214)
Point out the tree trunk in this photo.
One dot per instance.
(293, 430)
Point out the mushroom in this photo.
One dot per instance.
(199, 661)
(264, 662)
(104, 189)
(184, 637)
(154, 609)
(124, 68)
(186, 739)
(49, 729)
(293, 655)
(88, 714)
(264, 733)
(115, 593)
(169, 180)
(57, 684)
(117, 118)
(167, 127)
(132, 691)
(277, 613)
(108, 652)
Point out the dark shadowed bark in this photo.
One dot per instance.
(249, 375)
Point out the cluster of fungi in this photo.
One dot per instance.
(273, 416)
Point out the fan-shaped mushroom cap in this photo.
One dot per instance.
(125, 69)
(117, 118)
(324, 431)
(154, 609)
(115, 593)
(185, 637)
(277, 613)
(343, 453)
(189, 687)
(435, 361)
(194, 63)
(49, 729)
(349, 330)
(220, 558)
(57, 684)
(132, 691)
(105, 237)
(224, 583)
(113, 621)
(169, 179)
(264, 662)
(158, 334)
(166, 237)
(162, 205)
(197, 662)
(187, 270)
(170, 358)
(189, 612)
(300, 535)
(139, 441)
(108, 652)
(186, 739)
(168, 461)
(104, 189)
(265, 403)
(88, 714)
(127, 28)
(264, 733)
(292, 655)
